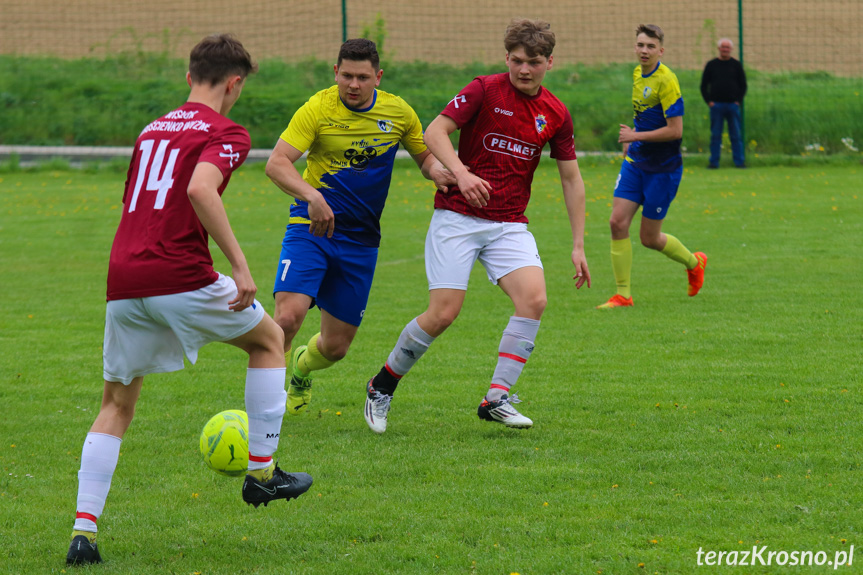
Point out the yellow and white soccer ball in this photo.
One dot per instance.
(225, 443)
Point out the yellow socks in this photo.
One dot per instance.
(312, 360)
(621, 263)
(91, 537)
(265, 474)
(677, 251)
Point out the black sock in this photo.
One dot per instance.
(385, 382)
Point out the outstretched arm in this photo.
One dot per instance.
(204, 195)
(474, 189)
(574, 198)
(281, 170)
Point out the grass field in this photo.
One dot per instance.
(722, 422)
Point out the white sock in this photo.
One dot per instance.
(99, 458)
(514, 350)
(413, 342)
(265, 406)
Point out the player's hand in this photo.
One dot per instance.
(323, 221)
(627, 134)
(246, 289)
(474, 189)
(582, 272)
(442, 177)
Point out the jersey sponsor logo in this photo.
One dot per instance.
(509, 146)
(502, 111)
(458, 99)
(230, 154)
(359, 159)
(164, 126)
(385, 126)
(181, 115)
(540, 122)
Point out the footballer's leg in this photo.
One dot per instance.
(414, 340)
(291, 310)
(526, 288)
(623, 210)
(99, 457)
(672, 248)
(660, 191)
(265, 405)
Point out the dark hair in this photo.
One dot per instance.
(217, 57)
(359, 50)
(652, 30)
(535, 36)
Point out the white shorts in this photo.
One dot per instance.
(151, 334)
(456, 241)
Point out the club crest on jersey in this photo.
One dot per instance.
(385, 126)
(646, 93)
(540, 122)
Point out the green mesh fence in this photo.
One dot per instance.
(804, 55)
(778, 35)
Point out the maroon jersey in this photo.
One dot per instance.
(502, 135)
(161, 246)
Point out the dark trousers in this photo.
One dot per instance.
(722, 112)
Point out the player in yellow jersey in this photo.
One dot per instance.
(651, 170)
(352, 131)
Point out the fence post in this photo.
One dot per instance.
(344, 21)
(740, 42)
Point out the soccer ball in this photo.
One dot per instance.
(225, 443)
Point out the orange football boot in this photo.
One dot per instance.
(696, 274)
(616, 300)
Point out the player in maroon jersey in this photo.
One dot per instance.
(164, 297)
(504, 122)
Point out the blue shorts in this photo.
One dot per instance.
(336, 273)
(654, 191)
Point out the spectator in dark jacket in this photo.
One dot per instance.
(723, 86)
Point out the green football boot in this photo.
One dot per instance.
(300, 388)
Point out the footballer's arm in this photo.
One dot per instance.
(281, 170)
(673, 130)
(204, 196)
(473, 188)
(433, 170)
(574, 198)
